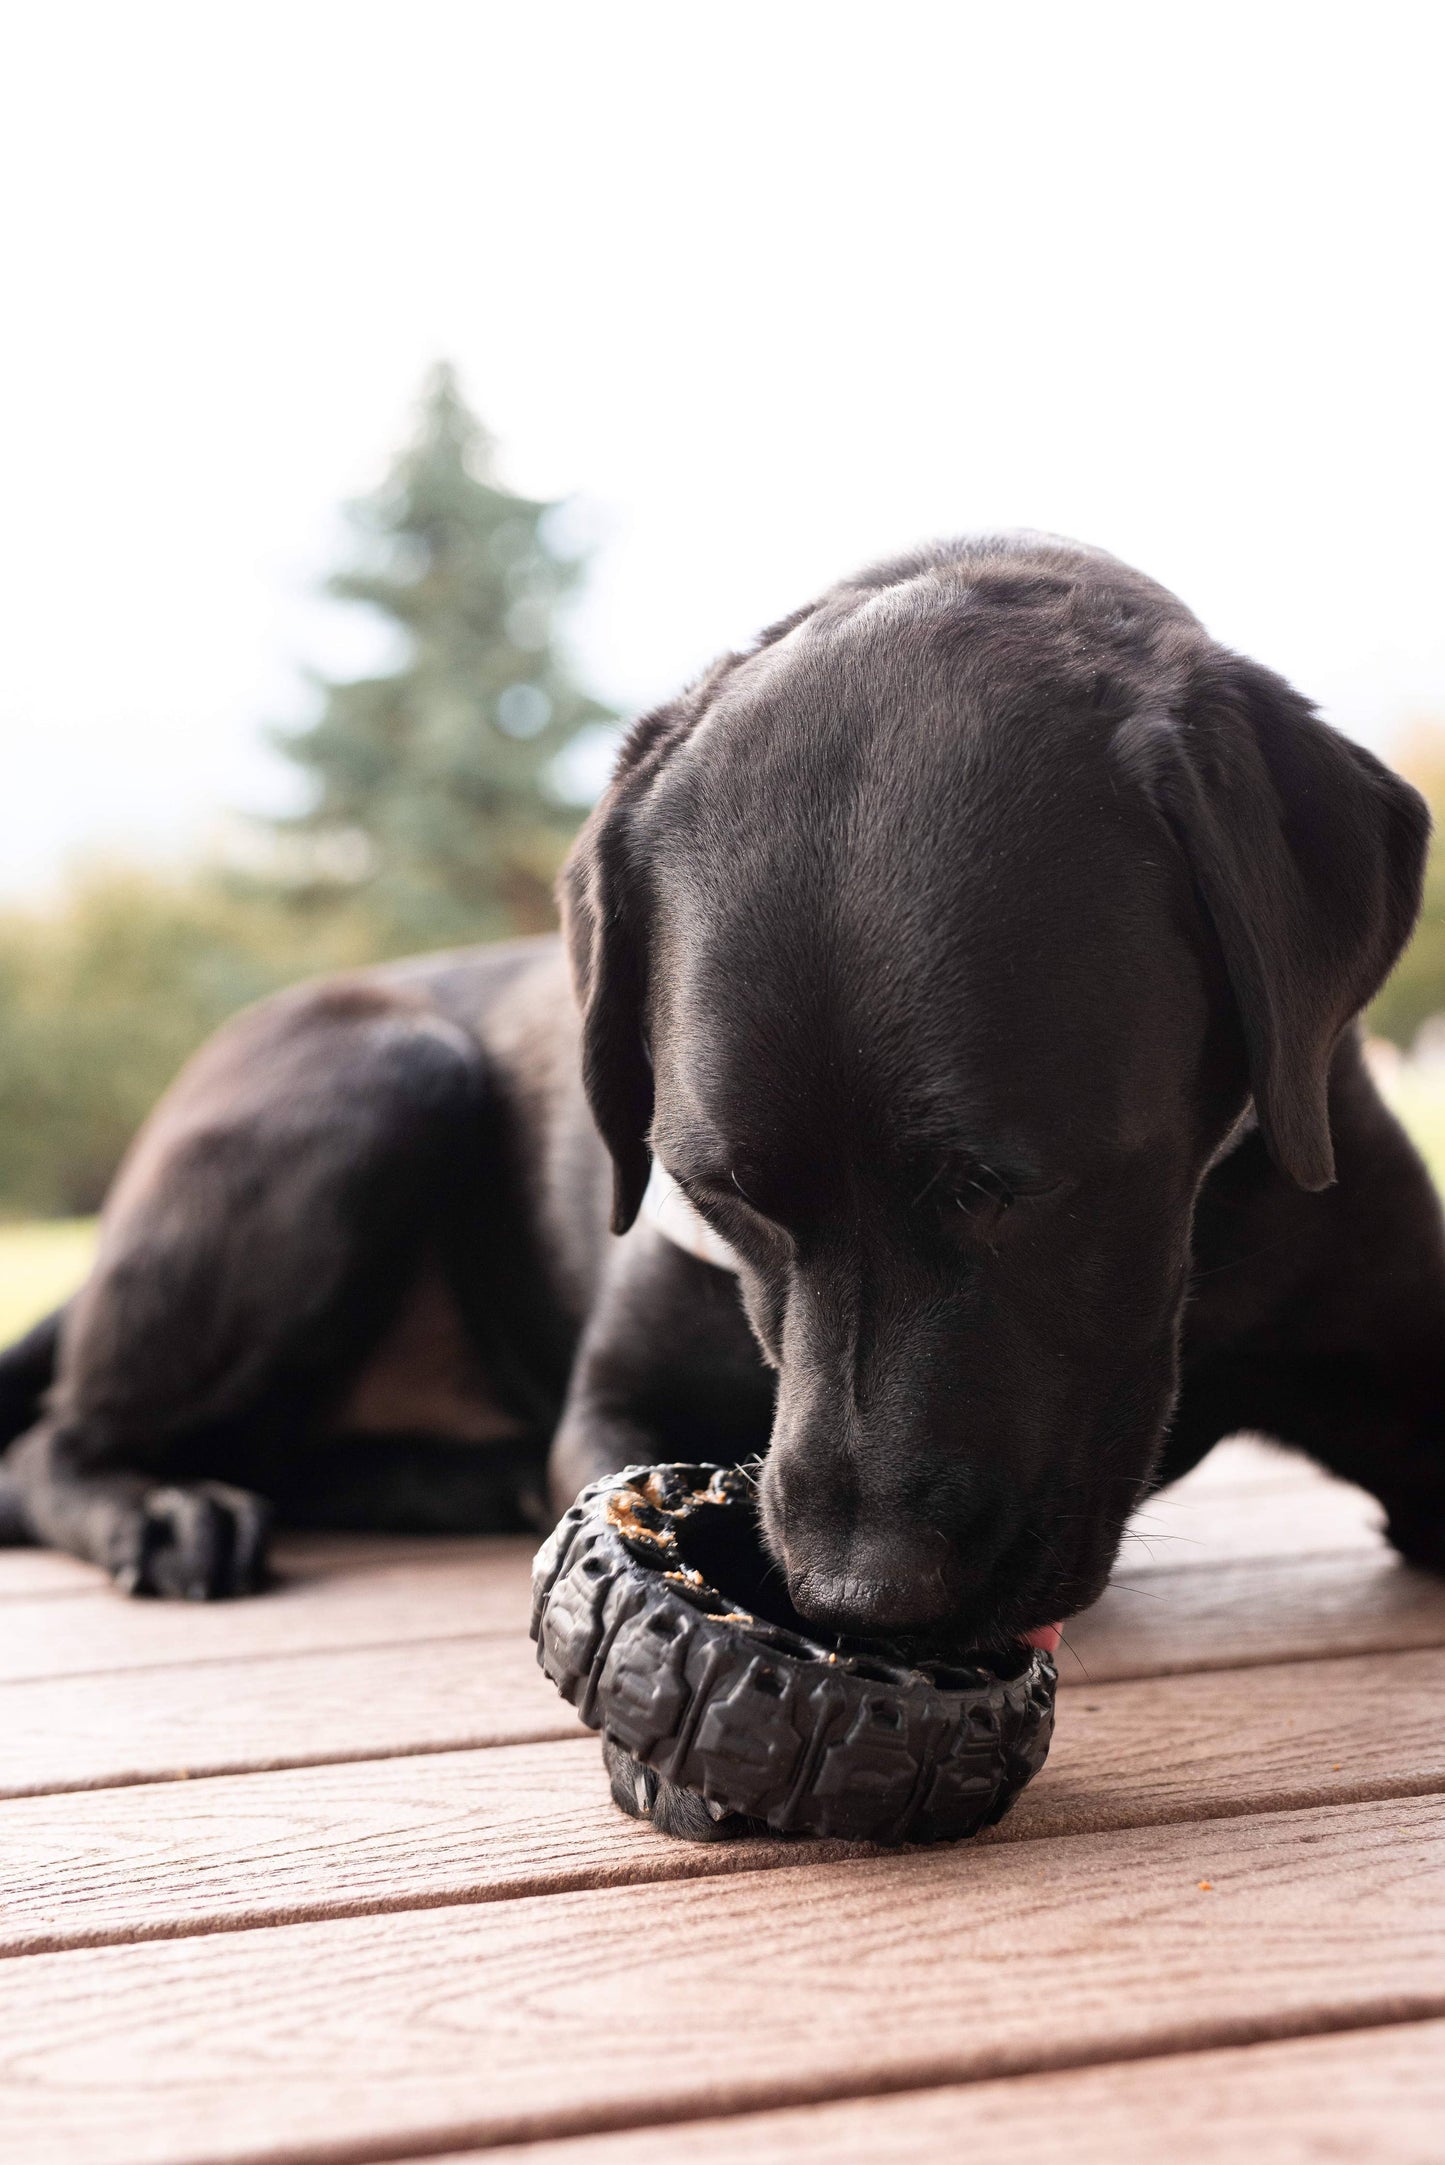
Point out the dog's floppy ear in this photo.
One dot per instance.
(603, 919)
(606, 920)
(1309, 856)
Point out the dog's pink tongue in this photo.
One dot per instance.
(1046, 1638)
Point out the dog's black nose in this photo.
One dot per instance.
(848, 1602)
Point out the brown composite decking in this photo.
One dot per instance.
(333, 1875)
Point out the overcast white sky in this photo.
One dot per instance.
(775, 287)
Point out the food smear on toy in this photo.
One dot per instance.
(636, 1518)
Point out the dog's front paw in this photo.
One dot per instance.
(643, 1794)
(202, 1542)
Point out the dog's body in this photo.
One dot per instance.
(944, 948)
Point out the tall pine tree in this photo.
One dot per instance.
(432, 803)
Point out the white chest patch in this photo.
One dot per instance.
(665, 1206)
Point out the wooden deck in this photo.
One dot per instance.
(333, 1875)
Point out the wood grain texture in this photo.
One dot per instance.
(300, 1709)
(1310, 1515)
(303, 1555)
(565, 2013)
(492, 1952)
(1153, 1618)
(340, 1592)
(219, 1854)
(26, 1572)
(186, 1858)
(483, 1589)
(222, 1717)
(1227, 1742)
(1365, 2097)
(1235, 1615)
(1235, 1504)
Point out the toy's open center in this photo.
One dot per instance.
(722, 1542)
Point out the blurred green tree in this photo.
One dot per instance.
(1416, 989)
(433, 799)
(105, 992)
(433, 819)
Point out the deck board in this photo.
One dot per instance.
(186, 1858)
(1370, 2095)
(227, 1714)
(390, 1910)
(1199, 1522)
(339, 1591)
(458, 1596)
(328, 1608)
(1155, 1617)
(209, 1855)
(566, 2012)
(1234, 1615)
(220, 1717)
(1247, 1497)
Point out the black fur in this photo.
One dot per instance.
(980, 952)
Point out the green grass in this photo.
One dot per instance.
(43, 1260)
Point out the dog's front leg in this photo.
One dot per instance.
(1320, 1319)
(667, 1369)
(194, 1540)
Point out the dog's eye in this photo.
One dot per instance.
(981, 1194)
(723, 1199)
(966, 1200)
(971, 1201)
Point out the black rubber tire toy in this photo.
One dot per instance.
(720, 1713)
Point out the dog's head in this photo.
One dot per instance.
(938, 946)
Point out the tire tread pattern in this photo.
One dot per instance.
(716, 1724)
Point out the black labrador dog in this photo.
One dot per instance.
(959, 1040)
